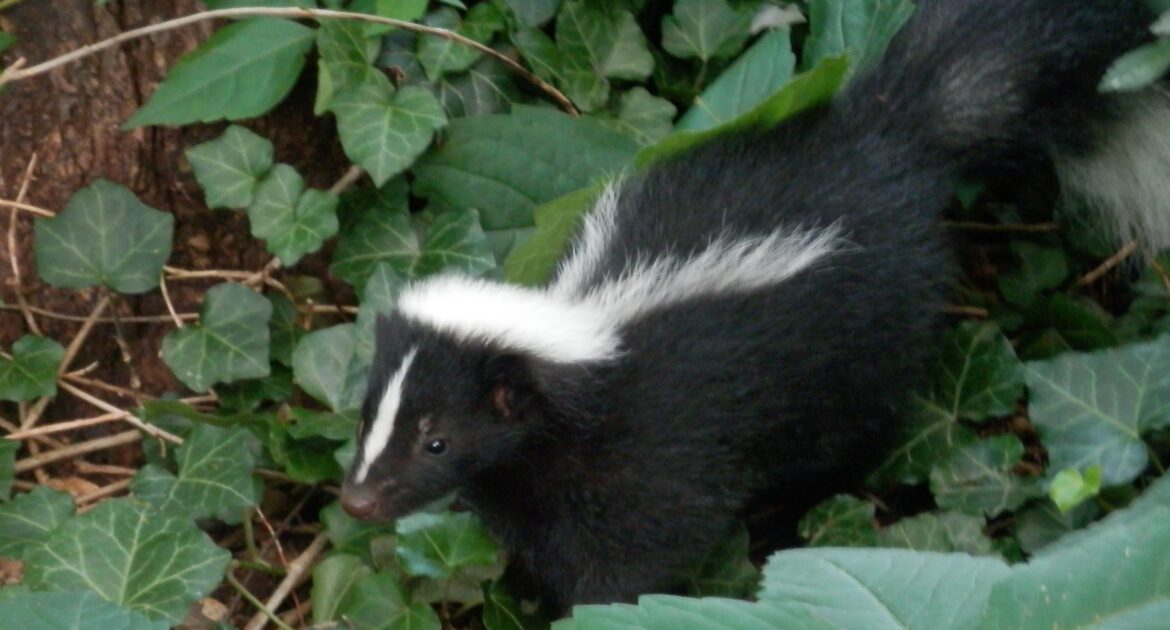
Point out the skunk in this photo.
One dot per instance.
(743, 320)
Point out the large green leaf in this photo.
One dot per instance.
(230, 167)
(1139, 68)
(860, 29)
(977, 478)
(505, 166)
(1092, 409)
(705, 29)
(214, 479)
(241, 71)
(645, 118)
(32, 370)
(131, 555)
(877, 589)
(1115, 576)
(841, 521)
(284, 329)
(324, 366)
(437, 545)
(595, 44)
(105, 236)
(754, 76)
(230, 343)
(333, 579)
(378, 602)
(29, 518)
(940, 532)
(1041, 523)
(532, 12)
(804, 92)
(384, 129)
(8, 449)
(346, 54)
(81, 610)
(291, 220)
(533, 261)
(439, 55)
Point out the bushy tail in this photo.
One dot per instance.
(984, 79)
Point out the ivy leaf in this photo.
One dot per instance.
(1091, 409)
(541, 53)
(533, 12)
(645, 118)
(487, 88)
(214, 481)
(436, 545)
(841, 521)
(377, 602)
(6, 41)
(505, 166)
(860, 29)
(440, 56)
(1040, 269)
(333, 579)
(705, 29)
(80, 610)
(307, 461)
(939, 531)
(8, 449)
(131, 555)
(596, 44)
(1138, 68)
(532, 262)
(32, 370)
(346, 54)
(241, 71)
(453, 241)
(230, 167)
(291, 220)
(324, 366)
(283, 330)
(230, 343)
(977, 478)
(29, 518)
(105, 236)
(670, 611)
(750, 80)
(384, 130)
(246, 396)
(727, 571)
(1041, 523)
(501, 611)
(1070, 488)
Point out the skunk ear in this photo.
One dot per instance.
(508, 383)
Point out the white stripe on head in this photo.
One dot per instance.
(726, 266)
(596, 233)
(530, 320)
(379, 434)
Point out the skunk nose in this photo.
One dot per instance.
(358, 504)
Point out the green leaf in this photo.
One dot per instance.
(1111, 578)
(596, 45)
(542, 54)
(532, 12)
(727, 571)
(377, 602)
(1138, 69)
(291, 220)
(307, 461)
(977, 376)
(379, 296)
(501, 611)
(439, 55)
(939, 531)
(230, 343)
(860, 29)
(79, 610)
(841, 521)
(130, 555)
(235, 4)
(245, 396)
(283, 329)
(1040, 269)
(333, 579)
(104, 236)
(977, 478)
(668, 611)
(32, 370)
(436, 545)
(645, 118)
(754, 76)
(324, 366)
(1070, 488)
(230, 167)
(1091, 409)
(877, 589)
(346, 54)
(533, 261)
(1041, 523)
(453, 241)
(384, 130)
(6, 41)
(28, 518)
(241, 71)
(8, 449)
(214, 481)
(349, 535)
(506, 165)
(801, 93)
(705, 29)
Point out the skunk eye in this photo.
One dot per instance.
(436, 447)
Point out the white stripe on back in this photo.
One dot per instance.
(379, 434)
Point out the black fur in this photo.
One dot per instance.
(606, 480)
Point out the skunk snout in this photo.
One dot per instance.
(359, 503)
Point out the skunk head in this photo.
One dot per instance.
(464, 373)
